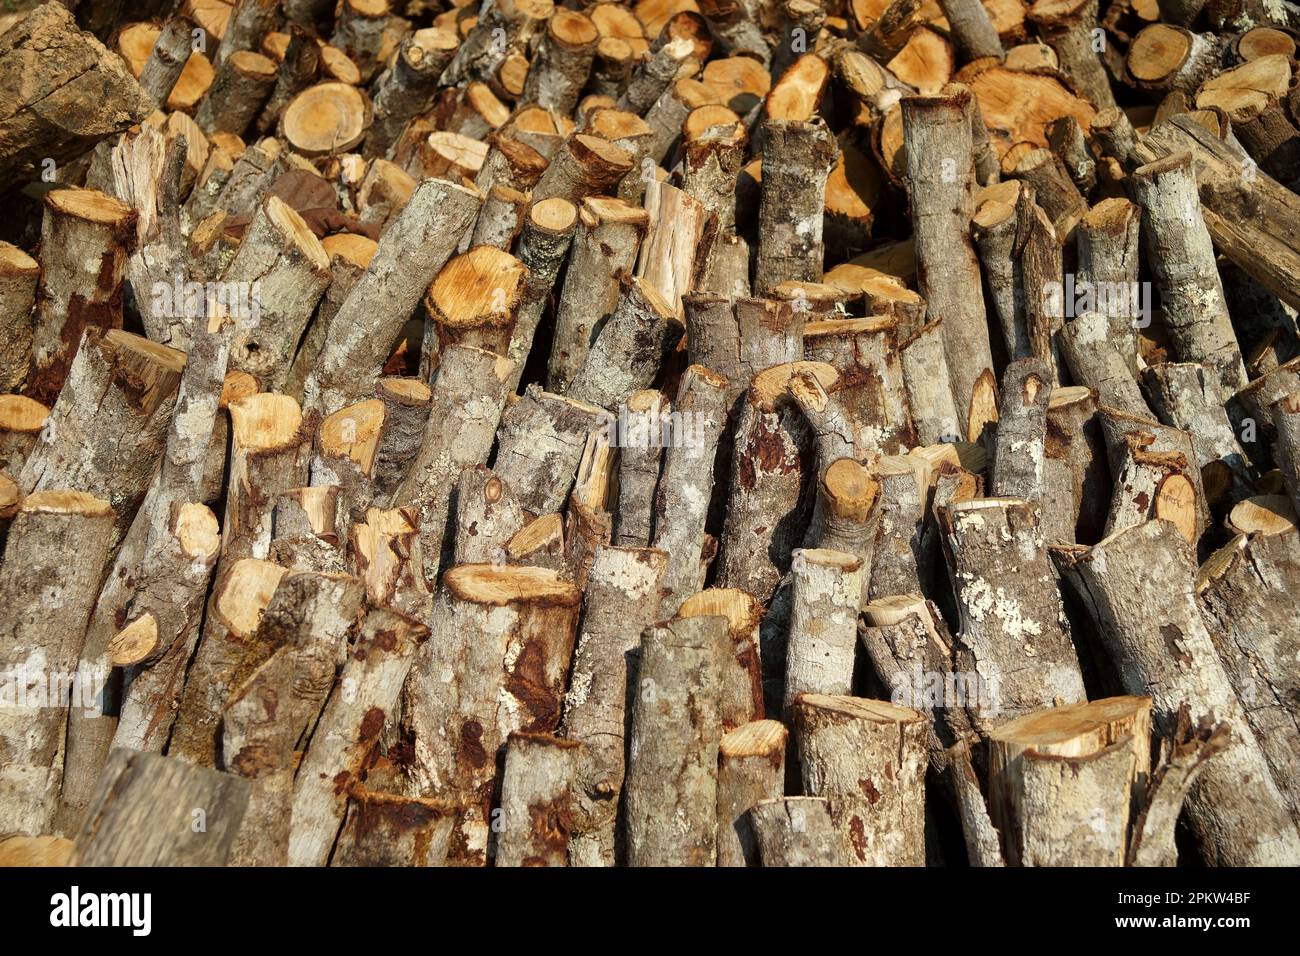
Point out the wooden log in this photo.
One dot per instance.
(826, 594)
(1008, 600)
(383, 829)
(86, 236)
(767, 507)
(681, 501)
(151, 810)
(737, 337)
(1127, 580)
(1091, 353)
(1242, 595)
(751, 769)
(1107, 239)
(536, 819)
(63, 93)
(972, 28)
(56, 553)
(21, 421)
(653, 76)
(1182, 257)
(997, 227)
(899, 543)
(543, 247)
(797, 161)
(1166, 57)
(239, 91)
(414, 248)
(168, 58)
(641, 429)
(1063, 781)
(407, 87)
(626, 353)
(1068, 27)
(871, 390)
(562, 63)
(349, 727)
(795, 831)
(282, 270)
(105, 433)
(937, 131)
(671, 809)
(464, 411)
(473, 301)
(497, 664)
(584, 166)
(623, 587)
(359, 32)
(19, 276)
(297, 70)
(1186, 396)
(928, 386)
(1020, 453)
(487, 516)
(1054, 190)
(606, 243)
(735, 28)
(868, 759)
(540, 443)
(1286, 422)
(1074, 439)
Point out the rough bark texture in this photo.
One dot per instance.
(536, 816)
(672, 779)
(751, 769)
(1138, 586)
(797, 161)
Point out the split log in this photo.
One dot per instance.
(1137, 585)
(1014, 633)
(937, 131)
(1054, 190)
(671, 808)
(795, 831)
(868, 759)
(151, 810)
(684, 490)
(496, 664)
(414, 248)
(622, 598)
(63, 93)
(536, 819)
(751, 770)
(366, 693)
(56, 553)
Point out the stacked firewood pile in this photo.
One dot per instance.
(686, 432)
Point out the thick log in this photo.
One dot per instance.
(751, 769)
(57, 550)
(797, 160)
(795, 831)
(868, 759)
(671, 809)
(536, 817)
(152, 810)
(1137, 585)
(540, 443)
(383, 829)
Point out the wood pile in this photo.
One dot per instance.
(681, 432)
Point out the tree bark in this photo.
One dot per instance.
(826, 594)
(671, 803)
(1137, 585)
(751, 769)
(365, 695)
(151, 810)
(868, 759)
(795, 831)
(56, 553)
(536, 816)
(797, 161)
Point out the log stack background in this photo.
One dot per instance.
(683, 432)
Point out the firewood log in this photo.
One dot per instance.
(751, 770)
